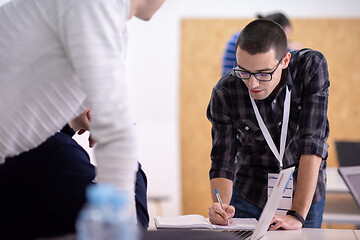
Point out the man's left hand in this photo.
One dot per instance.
(287, 222)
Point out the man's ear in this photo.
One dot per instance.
(286, 60)
(88, 114)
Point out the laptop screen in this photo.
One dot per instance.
(351, 176)
(355, 180)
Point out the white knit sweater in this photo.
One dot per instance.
(57, 58)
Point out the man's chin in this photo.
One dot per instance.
(258, 96)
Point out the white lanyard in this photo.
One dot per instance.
(284, 128)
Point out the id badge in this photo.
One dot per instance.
(286, 201)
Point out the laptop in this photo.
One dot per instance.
(270, 207)
(348, 153)
(351, 176)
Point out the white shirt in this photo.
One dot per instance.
(58, 58)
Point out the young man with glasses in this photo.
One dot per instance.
(270, 113)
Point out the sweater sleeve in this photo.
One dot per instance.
(94, 36)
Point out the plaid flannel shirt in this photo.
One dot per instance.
(240, 152)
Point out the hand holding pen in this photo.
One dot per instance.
(221, 204)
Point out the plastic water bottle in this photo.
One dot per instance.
(121, 221)
(89, 225)
(106, 216)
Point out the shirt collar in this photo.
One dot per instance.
(285, 80)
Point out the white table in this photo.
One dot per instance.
(311, 234)
(357, 234)
(337, 218)
(335, 184)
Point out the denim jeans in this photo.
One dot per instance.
(244, 209)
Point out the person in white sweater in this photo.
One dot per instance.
(60, 57)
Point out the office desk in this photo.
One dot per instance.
(335, 184)
(303, 234)
(310, 234)
(169, 235)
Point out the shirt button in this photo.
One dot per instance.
(279, 123)
(247, 128)
(299, 107)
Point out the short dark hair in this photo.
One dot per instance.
(260, 36)
(278, 17)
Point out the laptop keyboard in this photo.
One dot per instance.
(242, 234)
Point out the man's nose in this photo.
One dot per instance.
(253, 82)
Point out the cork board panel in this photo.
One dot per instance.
(202, 45)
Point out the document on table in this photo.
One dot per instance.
(196, 221)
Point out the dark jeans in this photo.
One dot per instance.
(244, 209)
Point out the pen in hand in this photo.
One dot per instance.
(221, 204)
(271, 226)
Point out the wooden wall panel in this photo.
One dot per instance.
(202, 45)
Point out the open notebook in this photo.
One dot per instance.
(246, 232)
(195, 221)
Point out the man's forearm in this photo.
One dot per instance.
(306, 183)
(224, 186)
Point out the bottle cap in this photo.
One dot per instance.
(99, 193)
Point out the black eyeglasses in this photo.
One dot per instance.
(260, 76)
